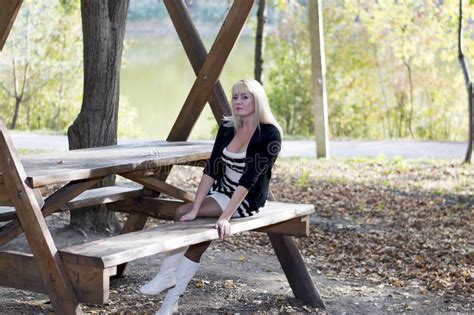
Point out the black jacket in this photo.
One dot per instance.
(262, 152)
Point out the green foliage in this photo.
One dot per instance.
(42, 69)
(392, 69)
(289, 75)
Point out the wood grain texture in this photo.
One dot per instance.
(295, 270)
(211, 69)
(160, 208)
(298, 227)
(103, 195)
(45, 169)
(163, 187)
(197, 53)
(127, 247)
(19, 271)
(4, 196)
(32, 221)
(53, 203)
(9, 11)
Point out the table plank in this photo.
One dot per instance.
(45, 169)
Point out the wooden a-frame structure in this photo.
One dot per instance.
(81, 273)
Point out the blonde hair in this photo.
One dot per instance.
(263, 113)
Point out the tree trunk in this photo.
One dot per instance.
(468, 82)
(103, 25)
(15, 113)
(470, 144)
(410, 84)
(260, 40)
(318, 70)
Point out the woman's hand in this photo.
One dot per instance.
(223, 228)
(188, 216)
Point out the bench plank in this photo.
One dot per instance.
(7, 213)
(103, 195)
(128, 247)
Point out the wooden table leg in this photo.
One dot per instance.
(294, 267)
(42, 246)
(197, 54)
(295, 270)
(210, 69)
(135, 222)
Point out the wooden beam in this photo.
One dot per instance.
(4, 196)
(318, 74)
(298, 227)
(19, 271)
(160, 208)
(163, 187)
(103, 195)
(210, 70)
(295, 270)
(53, 203)
(197, 54)
(8, 15)
(136, 222)
(92, 285)
(294, 267)
(42, 246)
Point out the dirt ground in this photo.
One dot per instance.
(388, 237)
(233, 280)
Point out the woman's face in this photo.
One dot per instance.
(243, 103)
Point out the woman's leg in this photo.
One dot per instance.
(166, 277)
(190, 262)
(209, 209)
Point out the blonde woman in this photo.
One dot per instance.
(235, 184)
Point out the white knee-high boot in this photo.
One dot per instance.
(166, 277)
(185, 272)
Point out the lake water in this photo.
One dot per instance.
(156, 78)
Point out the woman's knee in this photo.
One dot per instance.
(195, 251)
(180, 211)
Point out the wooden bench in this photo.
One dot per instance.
(103, 195)
(92, 263)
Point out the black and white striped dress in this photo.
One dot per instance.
(222, 190)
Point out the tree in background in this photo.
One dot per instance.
(260, 40)
(96, 125)
(412, 62)
(468, 82)
(289, 71)
(391, 69)
(40, 83)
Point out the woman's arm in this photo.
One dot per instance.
(204, 186)
(223, 225)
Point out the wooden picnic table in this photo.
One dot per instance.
(81, 273)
